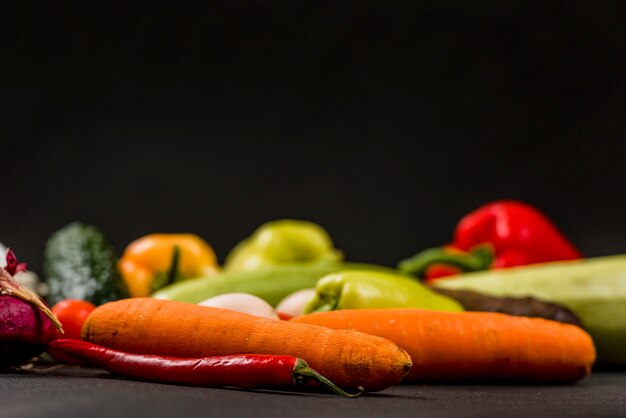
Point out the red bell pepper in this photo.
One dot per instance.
(512, 232)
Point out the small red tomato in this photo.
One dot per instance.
(72, 313)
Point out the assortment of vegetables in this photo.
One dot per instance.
(518, 302)
(350, 359)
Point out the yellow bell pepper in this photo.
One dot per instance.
(163, 258)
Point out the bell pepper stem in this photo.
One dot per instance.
(323, 302)
(163, 279)
(172, 274)
(303, 373)
(479, 258)
(326, 307)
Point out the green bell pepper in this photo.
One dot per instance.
(373, 290)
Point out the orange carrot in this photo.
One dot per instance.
(149, 326)
(446, 346)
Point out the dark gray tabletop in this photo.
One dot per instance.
(93, 393)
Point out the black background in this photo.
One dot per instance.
(383, 121)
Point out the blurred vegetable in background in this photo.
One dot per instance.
(516, 233)
(80, 263)
(157, 260)
(282, 242)
(29, 279)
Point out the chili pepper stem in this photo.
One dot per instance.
(302, 373)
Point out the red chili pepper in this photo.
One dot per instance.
(247, 371)
(515, 234)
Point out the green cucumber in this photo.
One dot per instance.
(272, 284)
(594, 289)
